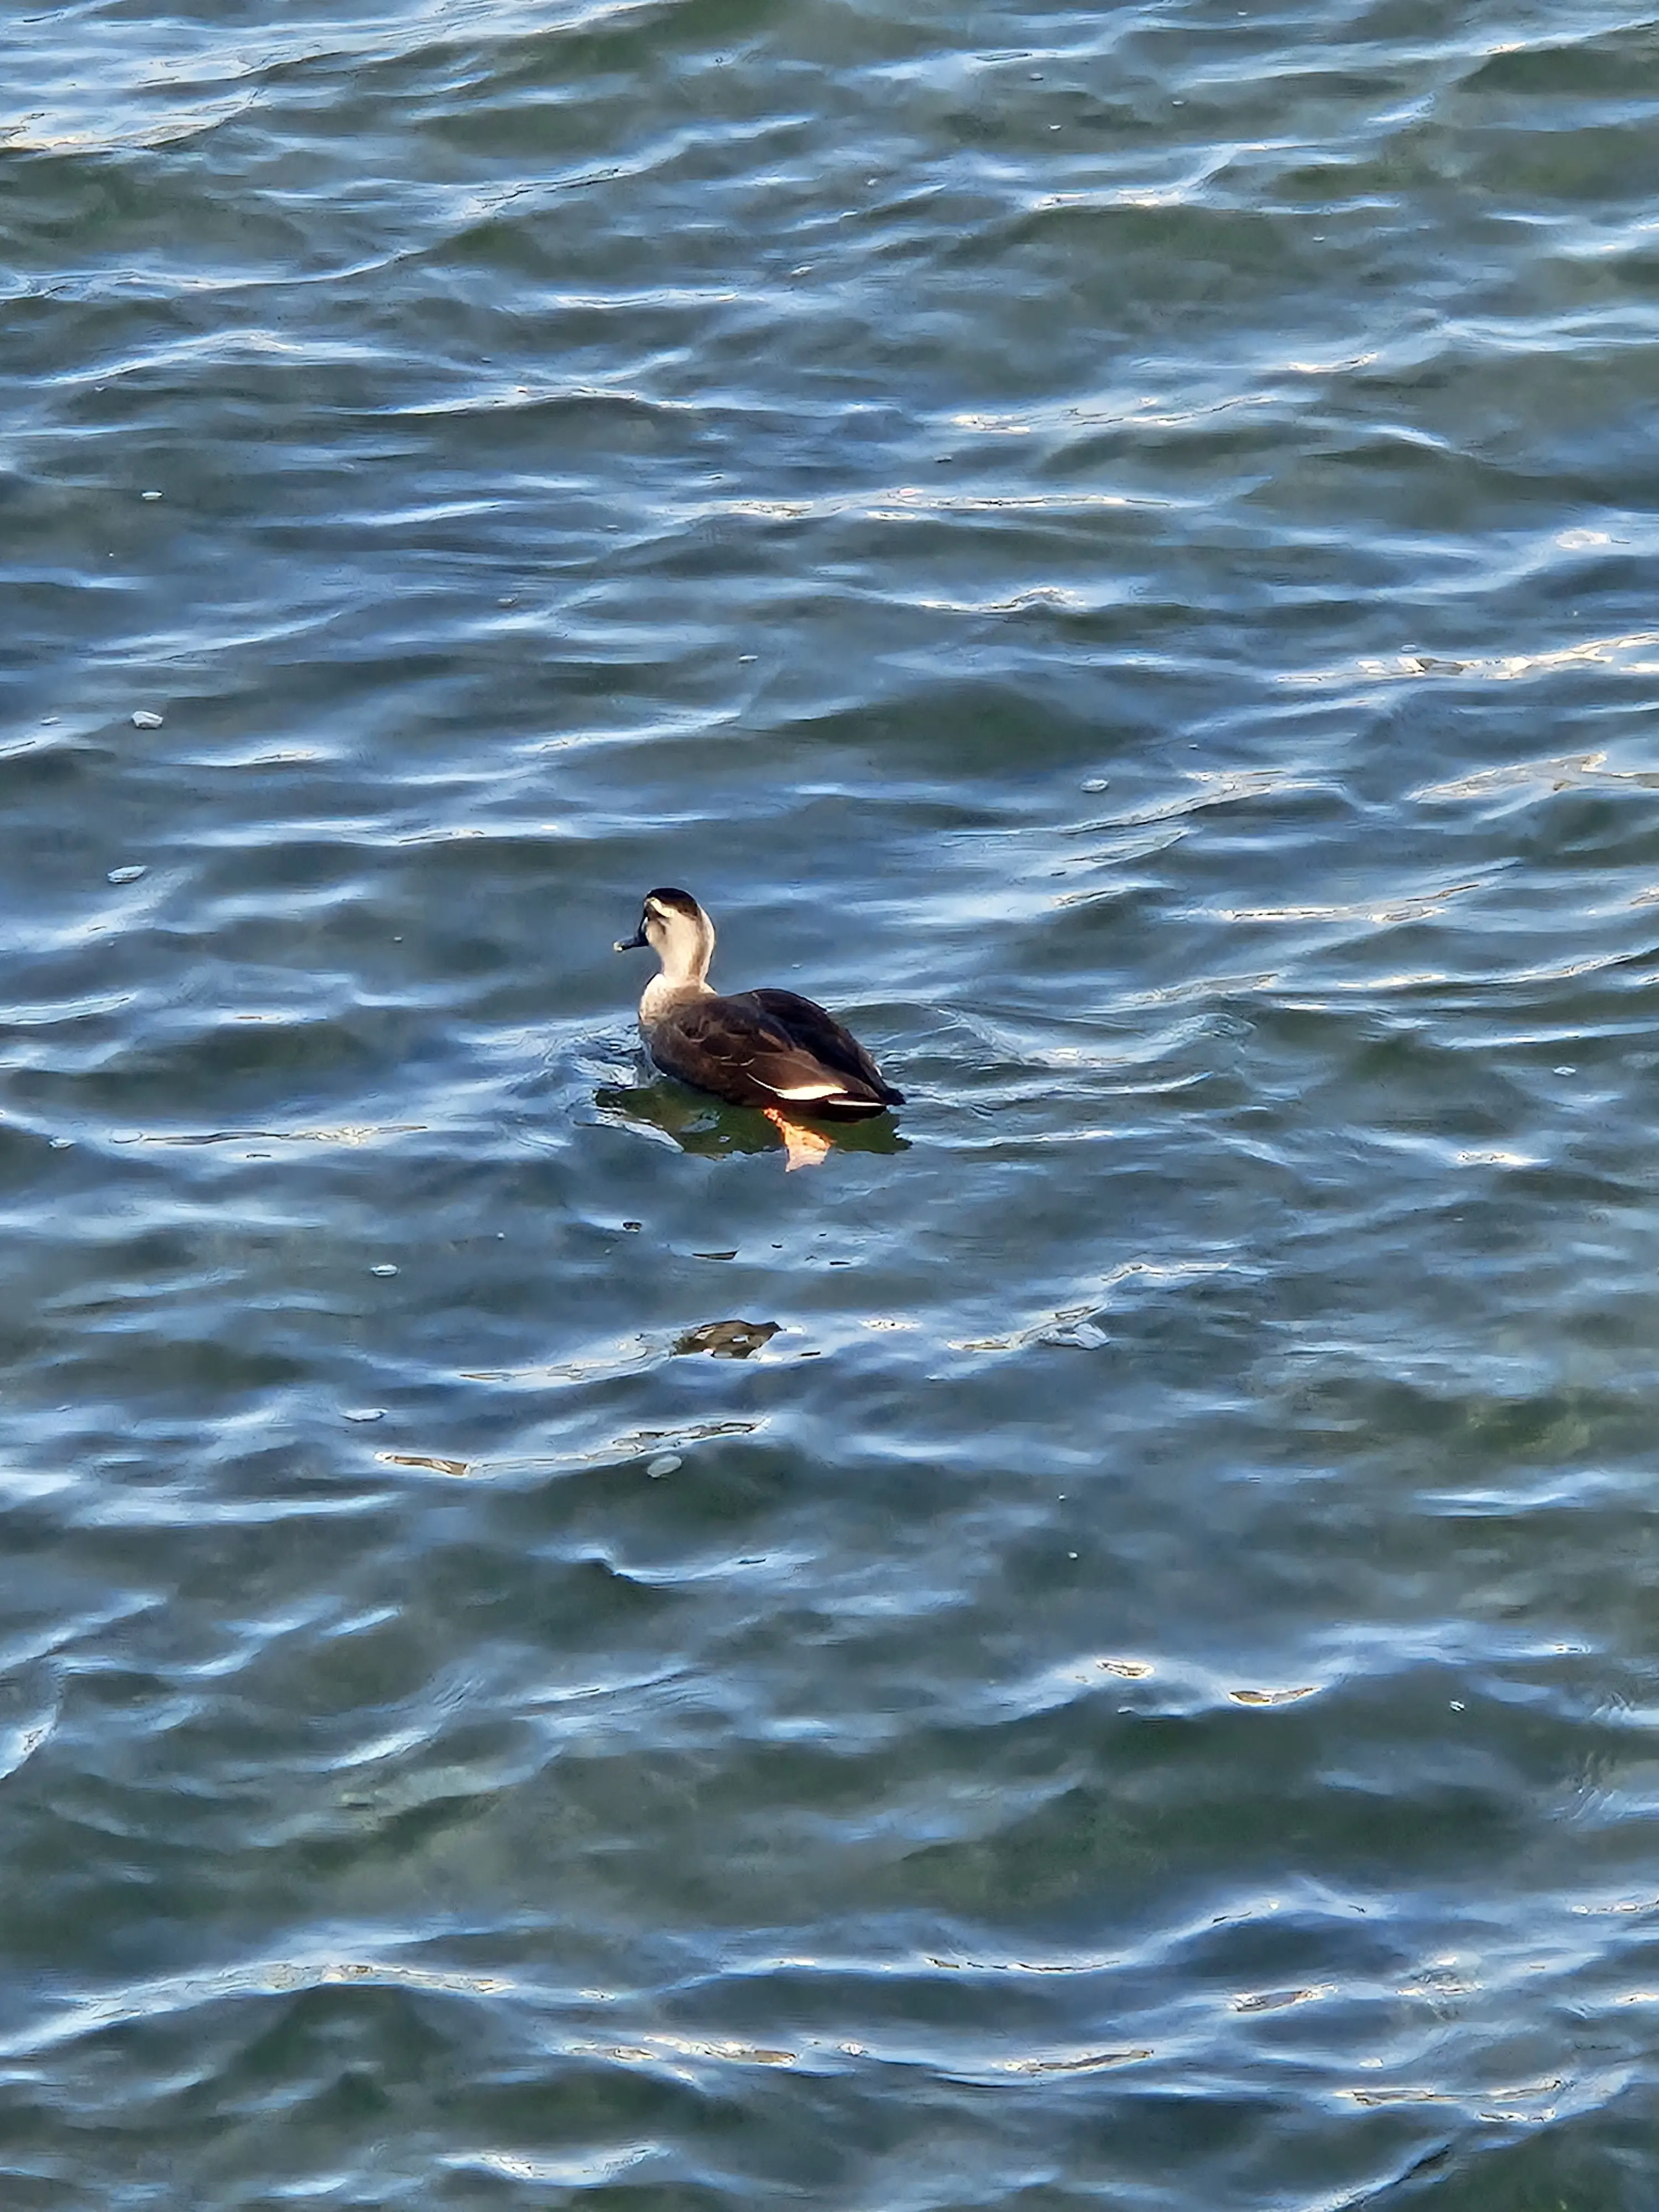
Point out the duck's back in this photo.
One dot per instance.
(767, 1047)
(813, 1026)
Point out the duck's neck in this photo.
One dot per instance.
(685, 958)
(664, 992)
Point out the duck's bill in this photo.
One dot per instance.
(631, 944)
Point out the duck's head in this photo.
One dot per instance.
(677, 930)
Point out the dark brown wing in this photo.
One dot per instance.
(738, 1048)
(813, 1026)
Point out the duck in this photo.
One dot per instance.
(769, 1048)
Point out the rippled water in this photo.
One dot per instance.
(1116, 548)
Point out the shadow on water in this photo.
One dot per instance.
(706, 1125)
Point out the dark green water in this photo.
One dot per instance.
(1117, 549)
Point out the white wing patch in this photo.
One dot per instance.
(805, 1090)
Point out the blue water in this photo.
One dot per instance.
(1115, 550)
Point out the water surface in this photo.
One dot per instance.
(1114, 548)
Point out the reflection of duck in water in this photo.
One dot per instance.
(773, 1049)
